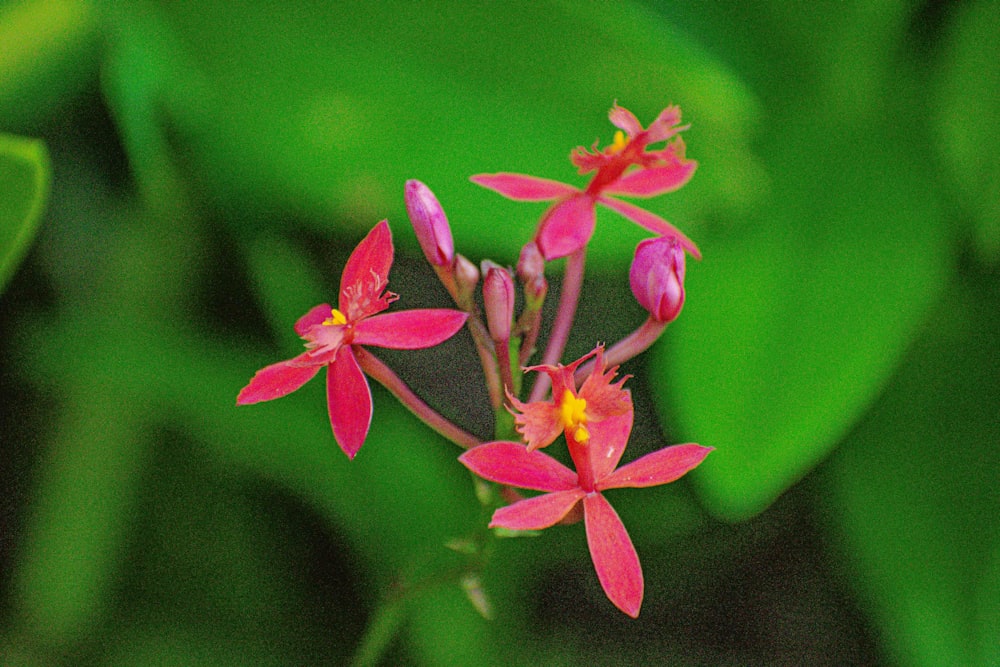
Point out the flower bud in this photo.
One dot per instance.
(466, 279)
(531, 271)
(657, 277)
(498, 300)
(430, 224)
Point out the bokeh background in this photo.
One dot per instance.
(181, 180)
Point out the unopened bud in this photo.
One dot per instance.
(657, 277)
(531, 271)
(430, 224)
(466, 278)
(498, 300)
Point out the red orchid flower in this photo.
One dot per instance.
(611, 549)
(332, 335)
(625, 167)
(571, 410)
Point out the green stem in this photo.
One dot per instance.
(380, 633)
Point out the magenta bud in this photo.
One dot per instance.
(531, 264)
(657, 277)
(430, 224)
(498, 300)
(466, 278)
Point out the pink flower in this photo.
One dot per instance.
(625, 167)
(657, 277)
(572, 411)
(333, 334)
(611, 549)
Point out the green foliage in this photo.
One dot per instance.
(24, 187)
(841, 328)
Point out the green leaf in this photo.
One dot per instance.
(912, 492)
(792, 325)
(24, 188)
(967, 115)
(326, 113)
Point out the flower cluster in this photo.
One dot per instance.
(583, 402)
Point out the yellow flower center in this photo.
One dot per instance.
(620, 142)
(336, 318)
(573, 416)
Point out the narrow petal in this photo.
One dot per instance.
(539, 512)
(608, 439)
(349, 400)
(625, 120)
(278, 380)
(614, 557)
(372, 258)
(665, 125)
(522, 187)
(316, 315)
(409, 329)
(652, 222)
(653, 181)
(566, 227)
(537, 422)
(660, 467)
(511, 463)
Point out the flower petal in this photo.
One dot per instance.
(604, 397)
(660, 467)
(409, 329)
(511, 463)
(537, 422)
(349, 400)
(316, 315)
(372, 257)
(566, 227)
(625, 120)
(652, 222)
(522, 187)
(653, 181)
(539, 512)
(614, 557)
(608, 439)
(278, 380)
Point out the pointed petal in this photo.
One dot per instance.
(316, 315)
(608, 439)
(538, 512)
(566, 227)
(665, 125)
(661, 467)
(409, 329)
(614, 557)
(511, 463)
(652, 222)
(537, 422)
(372, 257)
(653, 181)
(625, 120)
(522, 187)
(349, 400)
(278, 380)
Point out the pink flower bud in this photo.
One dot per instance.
(498, 299)
(657, 277)
(466, 278)
(531, 271)
(430, 224)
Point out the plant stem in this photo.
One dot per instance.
(569, 297)
(631, 346)
(381, 630)
(376, 369)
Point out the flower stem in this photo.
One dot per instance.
(631, 346)
(569, 297)
(381, 630)
(376, 369)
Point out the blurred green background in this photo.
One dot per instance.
(180, 181)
